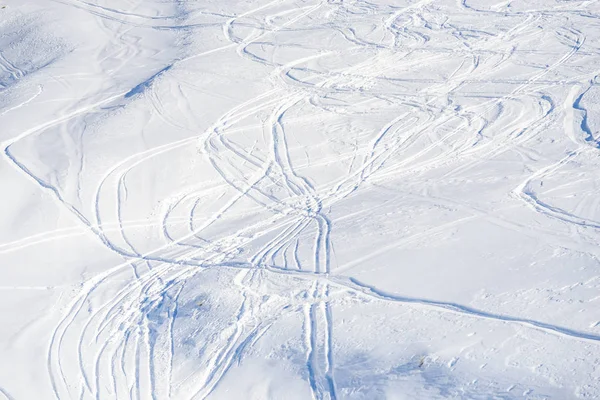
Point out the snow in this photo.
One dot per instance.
(298, 199)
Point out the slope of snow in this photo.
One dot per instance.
(298, 199)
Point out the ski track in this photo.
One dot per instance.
(472, 312)
(5, 394)
(125, 342)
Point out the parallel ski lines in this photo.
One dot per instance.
(318, 338)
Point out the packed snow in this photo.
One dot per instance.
(300, 199)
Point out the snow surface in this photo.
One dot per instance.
(295, 199)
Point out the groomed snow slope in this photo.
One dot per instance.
(296, 199)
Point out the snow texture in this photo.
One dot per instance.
(300, 199)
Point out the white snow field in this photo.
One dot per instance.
(299, 199)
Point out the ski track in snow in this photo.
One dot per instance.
(120, 329)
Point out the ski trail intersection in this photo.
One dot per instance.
(300, 199)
